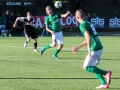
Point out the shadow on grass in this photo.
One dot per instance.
(114, 88)
(114, 59)
(56, 78)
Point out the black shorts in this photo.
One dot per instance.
(32, 35)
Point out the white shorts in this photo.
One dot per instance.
(57, 38)
(94, 60)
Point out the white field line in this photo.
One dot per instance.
(45, 44)
(35, 59)
(54, 48)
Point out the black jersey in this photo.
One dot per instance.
(28, 28)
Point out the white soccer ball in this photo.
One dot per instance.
(58, 4)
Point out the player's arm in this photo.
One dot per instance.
(66, 14)
(47, 26)
(76, 49)
(49, 30)
(86, 42)
(15, 24)
(88, 39)
(18, 18)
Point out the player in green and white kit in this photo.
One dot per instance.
(95, 50)
(53, 19)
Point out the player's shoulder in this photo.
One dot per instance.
(47, 18)
(84, 23)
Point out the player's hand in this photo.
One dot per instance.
(15, 25)
(68, 12)
(52, 32)
(89, 54)
(75, 49)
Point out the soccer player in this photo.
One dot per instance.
(29, 26)
(8, 23)
(53, 19)
(95, 49)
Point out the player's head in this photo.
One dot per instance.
(79, 14)
(29, 15)
(7, 11)
(49, 10)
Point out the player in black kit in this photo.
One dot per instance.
(29, 26)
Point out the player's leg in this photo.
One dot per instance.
(27, 40)
(10, 29)
(48, 46)
(34, 37)
(57, 51)
(35, 45)
(90, 66)
(60, 42)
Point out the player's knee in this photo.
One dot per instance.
(53, 45)
(84, 67)
(60, 46)
(35, 41)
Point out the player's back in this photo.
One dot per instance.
(95, 42)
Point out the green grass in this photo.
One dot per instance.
(23, 69)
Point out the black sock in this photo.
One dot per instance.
(35, 45)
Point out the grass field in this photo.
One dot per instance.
(23, 69)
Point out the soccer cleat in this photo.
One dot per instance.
(108, 77)
(35, 50)
(25, 45)
(42, 51)
(56, 57)
(102, 87)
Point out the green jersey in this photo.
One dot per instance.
(54, 21)
(95, 42)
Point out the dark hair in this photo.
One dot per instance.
(29, 13)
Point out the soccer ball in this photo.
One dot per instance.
(58, 4)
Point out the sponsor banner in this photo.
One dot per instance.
(13, 3)
(114, 22)
(106, 22)
(71, 22)
(28, 3)
(17, 3)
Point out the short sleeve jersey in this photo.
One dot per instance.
(28, 28)
(54, 21)
(95, 41)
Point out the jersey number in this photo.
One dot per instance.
(94, 32)
(56, 20)
(93, 29)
